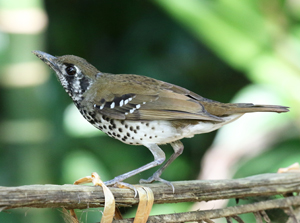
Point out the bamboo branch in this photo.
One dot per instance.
(80, 197)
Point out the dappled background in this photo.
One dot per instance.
(226, 50)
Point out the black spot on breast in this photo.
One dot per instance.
(147, 124)
(138, 127)
(128, 134)
(105, 118)
(120, 130)
(92, 114)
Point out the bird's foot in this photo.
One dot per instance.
(155, 177)
(117, 183)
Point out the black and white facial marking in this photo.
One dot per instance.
(73, 80)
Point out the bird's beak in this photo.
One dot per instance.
(47, 59)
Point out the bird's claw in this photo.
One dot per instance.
(156, 178)
(119, 184)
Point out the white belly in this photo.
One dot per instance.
(155, 132)
(204, 126)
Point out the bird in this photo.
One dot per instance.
(140, 110)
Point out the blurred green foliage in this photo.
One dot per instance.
(214, 48)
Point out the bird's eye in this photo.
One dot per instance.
(70, 70)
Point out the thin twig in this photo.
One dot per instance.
(292, 217)
(257, 217)
(238, 219)
(296, 212)
(228, 220)
(225, 212)
(265, 216)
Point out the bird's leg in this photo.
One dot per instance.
(178, 149)
(159, 158)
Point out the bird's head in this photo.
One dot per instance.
(74, 73)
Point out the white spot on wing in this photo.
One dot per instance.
(130, 99)
(102, 106)
(121, 103)
(126, 101)
(96, 106)
(138, 106)
(112, 105)
(144, 102)
(131, 110)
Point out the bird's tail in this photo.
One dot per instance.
(225, 109)
(248, 107)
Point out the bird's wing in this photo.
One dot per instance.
(148, 99)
